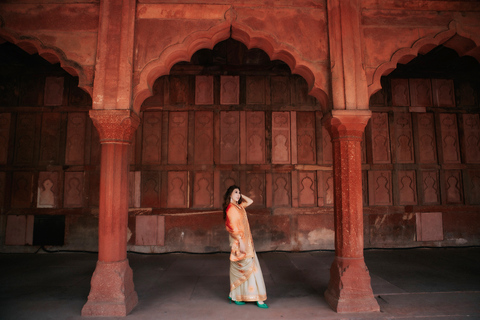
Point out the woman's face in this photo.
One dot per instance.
(235, 195)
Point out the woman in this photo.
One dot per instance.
(246, 280)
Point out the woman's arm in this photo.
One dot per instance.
(246, 201)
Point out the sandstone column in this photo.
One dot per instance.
(112, 291)
(349, 289)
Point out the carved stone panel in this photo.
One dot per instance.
(203, 137)
(448, 127)
(471, 127)
(177, 189)
(48, 188)
(227, 179)
(306, 147)
(255, 122)
(255, 189)
(282, 190)
(229, 137)
(380, 188)
(307, 191)
(152, 138)
(400, 93)
(73, 190)
(22, 189)
(178, 90)
(325, 188)
(255, 89)
(426, 138)
(203, 90)
(2, 189)
(472, 184)
(25, 138)
(53, 91)
(177, 137)
(75, 148)
(150, 189)
(403, 137)
(443, 93)
(430, 187)
(229, 90)
(281, 137)
(50, 139)
(380, 138)
(420, 92)
(327, 146)
(465, 94)
(280, 90)
(453, 186)
(407, 187)
(203, 190)
(4, 136)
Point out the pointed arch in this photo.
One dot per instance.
(315, 77)
(463, 42)
(53, 55)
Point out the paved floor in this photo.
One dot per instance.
(408, 284)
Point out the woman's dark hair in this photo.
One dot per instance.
(226, 199)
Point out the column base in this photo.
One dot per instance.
(112, 292)
(349, 289)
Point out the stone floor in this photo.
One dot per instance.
(408, 284)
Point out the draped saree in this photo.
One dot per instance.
(246, 279)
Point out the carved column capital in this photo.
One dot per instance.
(115, 126)
(348, 124)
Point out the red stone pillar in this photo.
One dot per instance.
(349, 288)
(112, 291)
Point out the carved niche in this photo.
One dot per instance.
(281, 137)
(448, 127)
(25, 138)
(430, 187)
(420, 92)
(400, 92)
(47, 193)
(280, 90)
(203, 90)
(177, 189)
(229, 90)
(255, 188)
(229, 178)
(380, 138)
(403, 137)
(50, 139)
(75, 145)
(203, 190)
(407, 187)
(307, 193)
(327, 146)
(178, 90)
(325, 188)
(22, 189)
(4, 136)
(306, 146)
(73, 190)
(471, 127)
(229, 137)
(53, 91)
(255, 89)
(177, 137)
(443, 93)
(380, 188)
(150, 189)
(152, 138)
(466, 95)
(282, 190)
(255, 121)
(203, 137)
(473, 183)
(426, 138)
(453, 186)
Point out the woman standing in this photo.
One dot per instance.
(246, 279)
